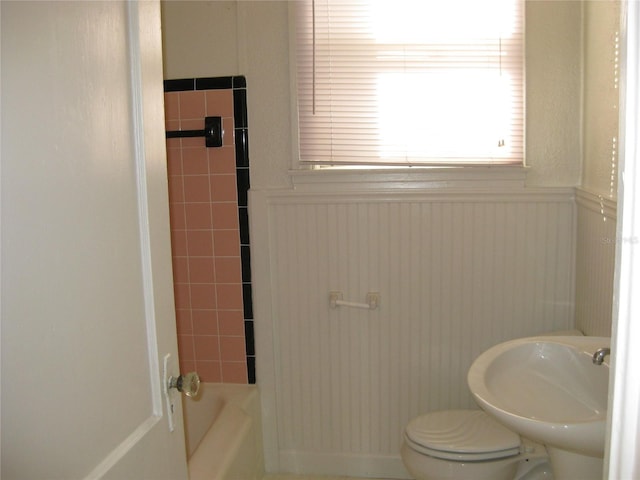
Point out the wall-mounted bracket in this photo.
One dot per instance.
(212, 132)
(336, 300)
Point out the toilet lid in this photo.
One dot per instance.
(461, 434)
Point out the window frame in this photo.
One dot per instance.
(514, 173)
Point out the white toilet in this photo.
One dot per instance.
(469, 445)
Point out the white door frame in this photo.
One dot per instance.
(623, 459)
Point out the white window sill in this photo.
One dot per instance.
(410, 178)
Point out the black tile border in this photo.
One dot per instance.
(214, 83)
(239, 85)
(242, 180)
(245, 253)
(243, 216)
(240, 108)
(242, 147)
(207, 83)
(180, 85)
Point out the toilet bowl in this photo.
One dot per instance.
(469, 445)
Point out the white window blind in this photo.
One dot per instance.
(410, 81)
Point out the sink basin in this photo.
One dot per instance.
(547, 389)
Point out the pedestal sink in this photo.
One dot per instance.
(549, 390)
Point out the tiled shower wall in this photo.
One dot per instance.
(209, 229)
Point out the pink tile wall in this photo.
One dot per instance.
(205, 239)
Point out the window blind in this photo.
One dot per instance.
(410, 81)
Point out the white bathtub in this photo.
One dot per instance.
(223, 433)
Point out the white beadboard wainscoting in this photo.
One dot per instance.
(456, 272)
(595, 262)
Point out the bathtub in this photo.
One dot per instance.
(223, 433)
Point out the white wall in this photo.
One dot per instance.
(199, 38)
(597, 205)
(595, 261)
(601, 97)
(553, 76)
(456, 272)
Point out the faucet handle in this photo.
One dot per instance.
(598, 356)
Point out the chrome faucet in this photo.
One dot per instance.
(598, 356)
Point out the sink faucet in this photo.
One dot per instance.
(598, 356)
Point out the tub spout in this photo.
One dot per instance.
(598, 356)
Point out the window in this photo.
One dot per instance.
(409, 82)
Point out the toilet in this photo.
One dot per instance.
(469, 445)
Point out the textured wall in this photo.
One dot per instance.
(554, 77)
(601, 97)
(596, 240)
(199, 38)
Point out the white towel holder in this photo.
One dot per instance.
(336, 300)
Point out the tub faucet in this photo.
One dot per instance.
(598, 356)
